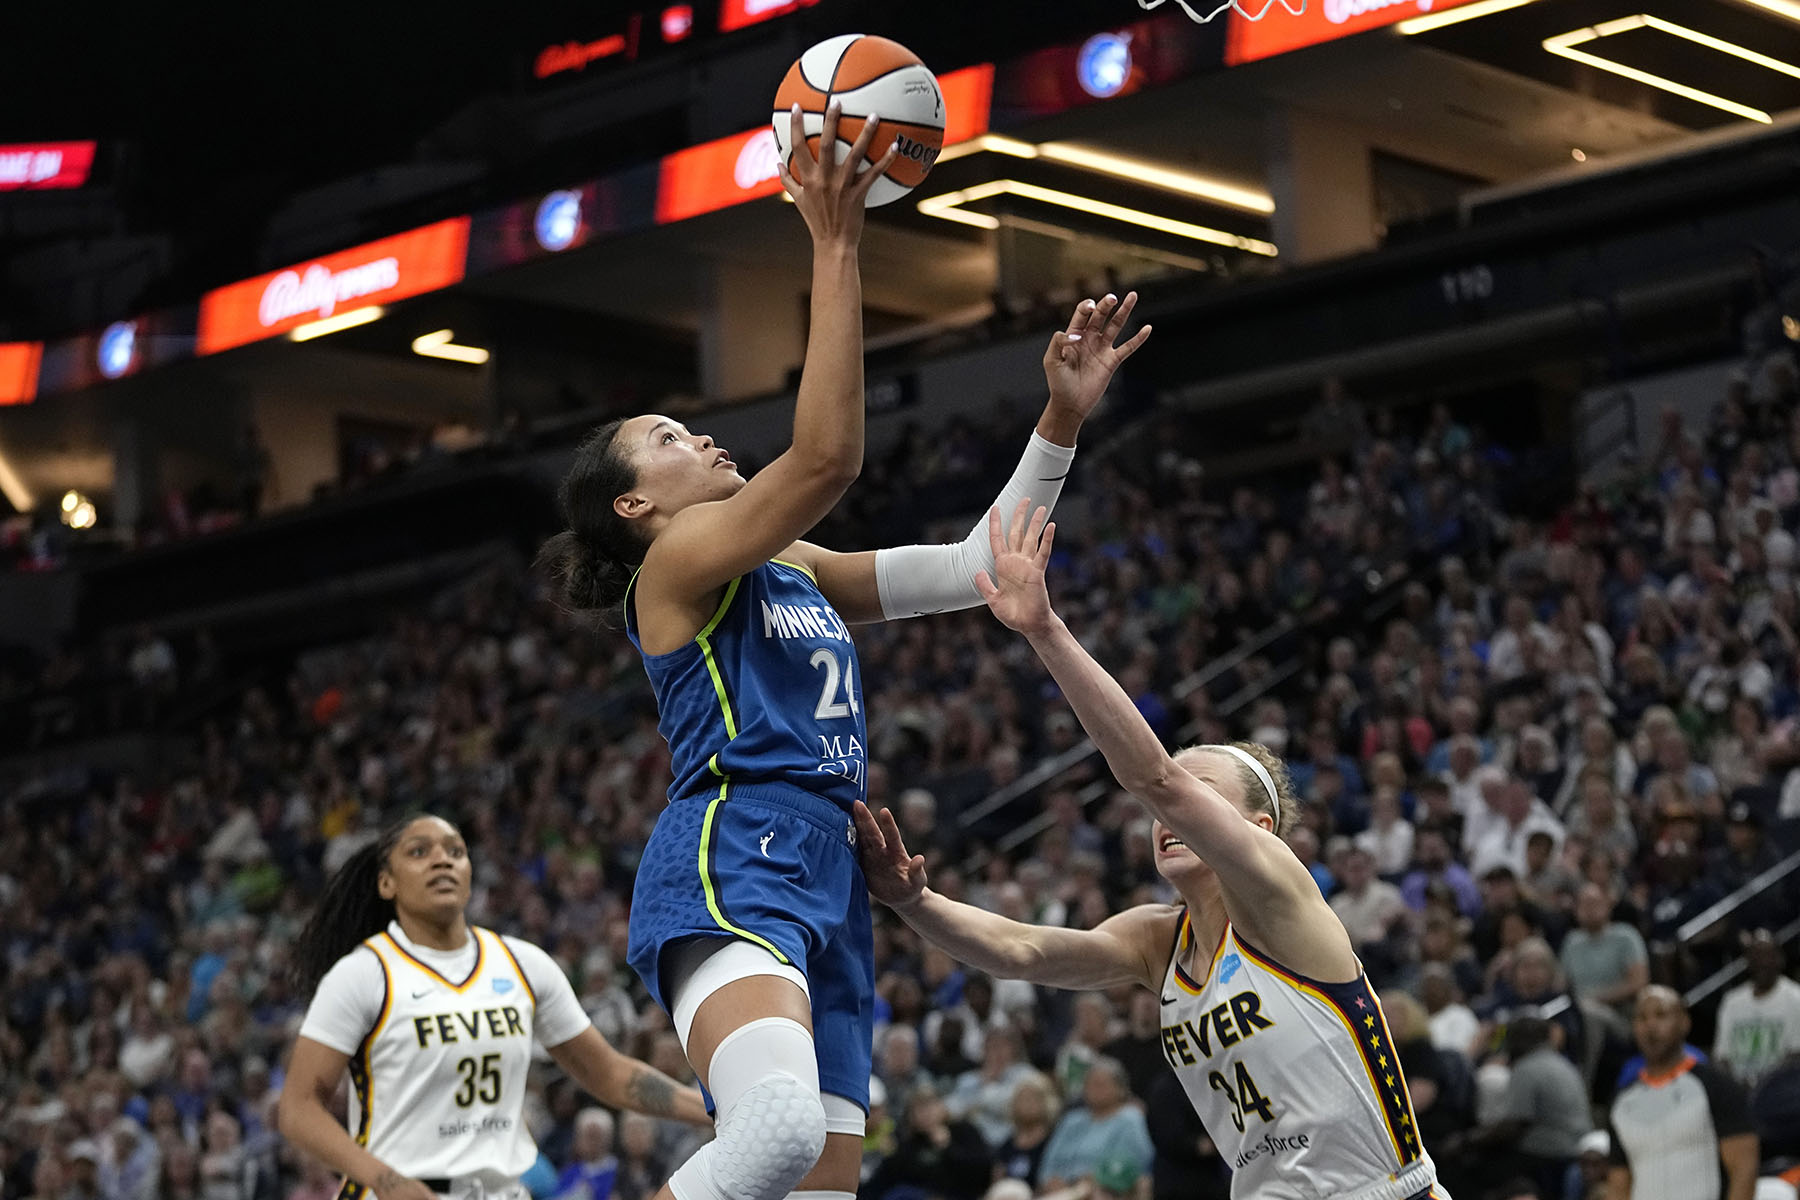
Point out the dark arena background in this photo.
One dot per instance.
(1462, 471)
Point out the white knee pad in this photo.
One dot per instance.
(705, 965)
(770, 1124)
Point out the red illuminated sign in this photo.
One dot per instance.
(19, 371)
(731, 170)
(736, 14)
(35, 165)
(407, 264)
(1323, 21)
(575, 56)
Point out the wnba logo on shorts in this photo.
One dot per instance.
(919, 152)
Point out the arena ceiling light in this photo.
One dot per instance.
(949, 207)
(17, 494)
(1781, 8)
(1455, 16)
(1564, 45)
(336, 323)
(439, 345)
(1118, 167)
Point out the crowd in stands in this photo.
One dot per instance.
(1534, 743)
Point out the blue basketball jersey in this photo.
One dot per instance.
(768, 693)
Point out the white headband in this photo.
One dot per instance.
(1262, 773)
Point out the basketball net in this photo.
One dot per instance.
(1294, 7)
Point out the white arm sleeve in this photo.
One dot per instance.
(918, 580)
(559, 1014)
(347, 1003)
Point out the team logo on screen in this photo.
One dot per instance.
(558, 220)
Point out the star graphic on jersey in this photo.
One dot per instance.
(1390, 1080)
(1383, 1061)
(1369, 1021)
(1359, 1003)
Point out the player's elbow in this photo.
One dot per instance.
(835, 468)
(287, 1114)
(1155, 783)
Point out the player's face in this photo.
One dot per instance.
(1174, 860)
(676, 467)
(428, 870)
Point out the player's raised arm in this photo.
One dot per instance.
(707, 545)
(1258, 873)
(911, 581)
(1118, 950)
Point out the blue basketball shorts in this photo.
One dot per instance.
(776, 867)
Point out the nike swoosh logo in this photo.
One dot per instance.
(1168, 999)
(426, 992)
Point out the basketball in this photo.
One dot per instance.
(869, 77)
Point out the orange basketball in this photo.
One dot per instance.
(868, 76)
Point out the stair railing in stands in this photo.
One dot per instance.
(1734, 970)
(1085, 749)
(1730, 904)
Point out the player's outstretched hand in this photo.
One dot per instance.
(1016, 591)
(1082, 358)
(830, 194)
(895, 878)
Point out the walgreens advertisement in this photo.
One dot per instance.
(407, 264)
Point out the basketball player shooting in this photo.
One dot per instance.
(1267, 1017)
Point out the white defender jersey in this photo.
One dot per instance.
(439, 1083)
(1297, 1081)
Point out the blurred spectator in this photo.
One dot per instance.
(1516, 817)
(1389, 838)
(1453, 1026)
(132, 1163)
(1140, 1048)
(1439, 1082)
(1372, 913)
(1759, 1021)
(592, 1168)
(1605, 960)
(640, 1173)
(1530, 983)
(1121, 1179)
(1187, 1165)
(1106, 1129)
(1092, 1030)
(1033, 1115)
(1432, 867)
(935, 1155)
(897, 1065)
(983, 1096)
(1542, 1119)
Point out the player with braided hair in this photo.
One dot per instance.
(434, 1019)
